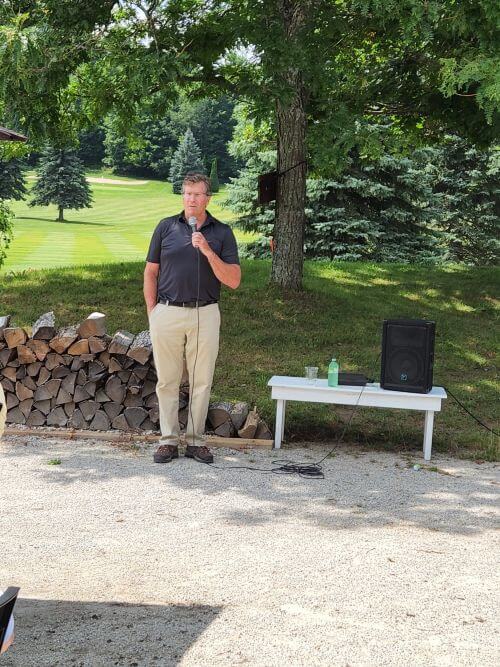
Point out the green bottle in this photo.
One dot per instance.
(333, 374)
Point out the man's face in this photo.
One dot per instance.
(195, 200)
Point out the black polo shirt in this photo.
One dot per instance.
(172, 249)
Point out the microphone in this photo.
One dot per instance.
(192, 223)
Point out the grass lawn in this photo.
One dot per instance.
(339, 313)
(117, 228)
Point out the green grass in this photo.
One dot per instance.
(117, 228)
(339, 313)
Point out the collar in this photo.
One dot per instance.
(208, 221)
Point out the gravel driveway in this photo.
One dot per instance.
(124, 562)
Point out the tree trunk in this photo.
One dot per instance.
(288, 257)
(61, 217)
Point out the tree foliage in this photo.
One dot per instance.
(437, 204)
(327, 69)
(149, 146)
(214, 176)
(91, 147)
(5, 230)
(61, 181)
(468, 182)
(12, 179)
(187, 158)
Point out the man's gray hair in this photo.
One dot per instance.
(196, 177)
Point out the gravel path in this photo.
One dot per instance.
(124, 562)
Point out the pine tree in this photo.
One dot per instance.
(187, 158)
(61, 181)
(468, 181)
(214, 177)
(380, 210)
(11, 179)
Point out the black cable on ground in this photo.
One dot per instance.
(302, 469)
(469, 412)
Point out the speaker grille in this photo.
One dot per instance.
(407, 336)
(407, 355)
(405, 366)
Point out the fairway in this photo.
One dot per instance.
(117, 228)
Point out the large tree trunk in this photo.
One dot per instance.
(290, 205)
(291, 133)
(61, 214)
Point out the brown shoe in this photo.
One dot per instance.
(201, 454)
(165, 453)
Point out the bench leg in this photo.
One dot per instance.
(279, 428)
(428, 426)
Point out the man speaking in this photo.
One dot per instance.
(189, 256)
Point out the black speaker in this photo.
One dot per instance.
(407, 355)
(268, 187)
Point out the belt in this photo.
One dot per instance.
(185, 304)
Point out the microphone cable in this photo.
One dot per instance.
(304, 468)
(191, 389)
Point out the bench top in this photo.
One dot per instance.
(302, 389)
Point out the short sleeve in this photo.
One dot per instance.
(154, 251)
(229, 252)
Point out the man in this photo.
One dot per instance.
(183, 312)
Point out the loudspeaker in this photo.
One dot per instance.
(407, 355)
(268, 187)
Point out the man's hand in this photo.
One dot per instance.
(228, 274)
(199, 241)
(151, 272)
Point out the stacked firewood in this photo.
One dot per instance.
(81, 377)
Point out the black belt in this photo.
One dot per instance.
(185, 304)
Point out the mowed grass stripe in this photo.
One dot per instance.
(97, 251)
(22, 247)
(119, 242)
(118, 227)
(59, 249)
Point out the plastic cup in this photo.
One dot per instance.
(311, 372)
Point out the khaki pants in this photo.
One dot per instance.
(174, 330)
(3, 411)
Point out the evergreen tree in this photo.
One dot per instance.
(11, 179)
(382, 210)
(187, 158)
(468, 181)
(214, 177)
(61, 181)
(212, 124)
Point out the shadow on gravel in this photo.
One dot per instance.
(359, 490)
(104, 634)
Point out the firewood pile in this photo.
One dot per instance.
(82, 378)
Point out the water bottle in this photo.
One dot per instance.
(333, 374)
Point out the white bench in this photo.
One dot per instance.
(284, 388)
